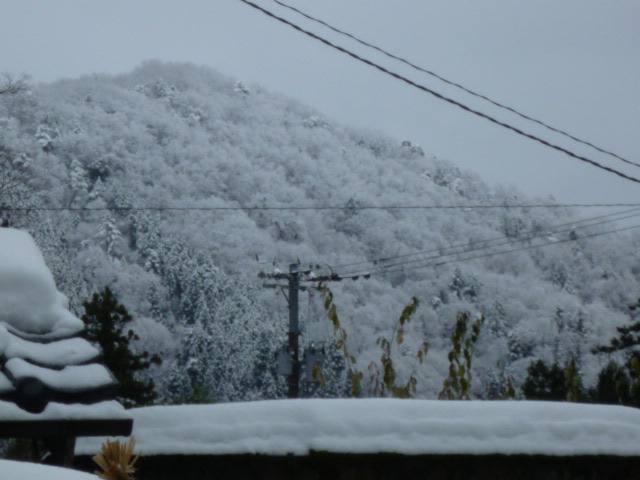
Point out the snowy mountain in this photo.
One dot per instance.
(167, 183)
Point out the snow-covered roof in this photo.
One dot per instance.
(41, 357)
(29, 299)
(72, 351)
(412, 427)
(107, 410)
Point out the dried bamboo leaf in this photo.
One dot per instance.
(115, 460)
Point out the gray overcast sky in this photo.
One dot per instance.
(572, 63)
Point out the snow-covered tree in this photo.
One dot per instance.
(77, 178)
(240, 89)
(109, 234)
(44, 136)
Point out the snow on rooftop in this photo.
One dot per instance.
(71, 351)
(11, 470)
(41, 359)
(107, 410)
(412, 427)
(69, 379)
(29, 299)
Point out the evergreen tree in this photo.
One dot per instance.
(544, 383)
(499, 387)
(110, 234)
(105, 321)
(573, 382)
(464, 286)
(337, 382)
(97, 190)
(77, 178)
(190, 376)
(628, 338)
(265, 375)
(613, 386)
(616, 383)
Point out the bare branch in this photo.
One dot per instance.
(11, 85)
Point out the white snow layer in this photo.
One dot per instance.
(10, 470)
(29, 299)
(109, 410)
(70, 351)
(69, 379)
(412, 427)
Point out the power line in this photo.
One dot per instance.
(454, 84)
(383, 270)
(443, 97)
(505, 252)
(320, 207)
(480, 246)
(489, 243)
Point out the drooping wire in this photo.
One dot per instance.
(448, 252)
(454, 84)
(492, 242)
(504, 252)
(328, 207)
(442, 97)
(435, 263)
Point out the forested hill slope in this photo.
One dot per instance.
(136, 182)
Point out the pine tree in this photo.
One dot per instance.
(77, 177)
(627, 343)
(44, 136)
(629, 336)
(97, 190)
(464, 286)
(613, 386)
(110, 234)
(544, 383)
(265, 375)
(499, 386)
(337, 382)
(105, 323)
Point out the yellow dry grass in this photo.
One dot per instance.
(116, 460)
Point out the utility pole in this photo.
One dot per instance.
(294, 330)
(289, 361)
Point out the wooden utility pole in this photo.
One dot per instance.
(290, 359)
(294, 330)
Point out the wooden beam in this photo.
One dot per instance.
(65, 428)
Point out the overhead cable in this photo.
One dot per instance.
(505, 252)
(454, 84)
(320, 207)
(503, 239)
(480, 246)
(442, 97)
(382, 270)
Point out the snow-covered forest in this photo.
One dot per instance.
(161, 184)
